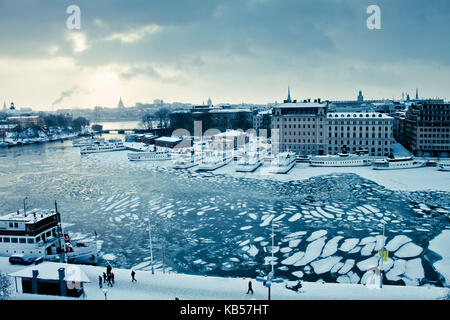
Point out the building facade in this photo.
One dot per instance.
(354, 131)
(427, 129)
(308, 128)
(299, 127)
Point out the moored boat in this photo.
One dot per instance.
(282, 163)
(340, 160)
(398, 163)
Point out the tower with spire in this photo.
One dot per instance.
(120, 105)
(360, 96)
(288, 100)
(417, 94)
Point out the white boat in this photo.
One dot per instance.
(155, 154)
(340, 160)
(110, 145)
(444, 166)
(398, 163)
(84, 142)
(282, 163)
(39, 233)
(249, 162)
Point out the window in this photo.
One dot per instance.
(7, 240)
(30, 240)
(16, 225)
(22, 240)
(14, 240)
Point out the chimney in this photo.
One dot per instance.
(34, 284)
(318, 100)
(309, 100)
(62, 283)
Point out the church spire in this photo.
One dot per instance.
(417, 94)
(288, 100)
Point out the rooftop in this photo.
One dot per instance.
(358, 115)
(301, 105)
(49, 271)
(32, 215)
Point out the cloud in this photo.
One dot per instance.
(78, 40)
(65, 94)
(135, 35)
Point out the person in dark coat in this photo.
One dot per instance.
(133, 279)
(112, 278)
(109, 280)
(108, 269)
(100, 282)
(104, 278)
(250, 287)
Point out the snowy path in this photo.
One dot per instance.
(168, 286)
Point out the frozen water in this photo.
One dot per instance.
(397, 242)
(325, 265)
(367, 249)
(409, 250)
(349, 263)
(316, 235)
(349, 244)
(331, 247)
(312, 252)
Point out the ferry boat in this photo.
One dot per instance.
(398, 163)
(249, 162)
(39, 233)
(84, 142)
(340, 160)
(150, 155)
(110, 145)
(444, 166)
(282, 163)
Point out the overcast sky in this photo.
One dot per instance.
(230, 50)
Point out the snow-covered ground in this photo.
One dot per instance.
(168, 286)
(425, 178)
(441, 245)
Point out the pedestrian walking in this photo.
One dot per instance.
(112, 278)
(104, 278)
(109, 280)
(100, 282)
(250, 289)
(108, 269)
(133, 279)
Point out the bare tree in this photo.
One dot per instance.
(163, 116)
(5, 286)
(147, 121)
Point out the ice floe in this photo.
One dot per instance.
(316, 235)
(409, 250)
(325, 265)
(312, 252)
(349, 244)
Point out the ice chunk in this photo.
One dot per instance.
(368, 263)
(246, 228)
(313, 251)
(296, 234)
(298, 274)
(337, 267)
(253, 251)
(316, 235)
(294, 258)
(343, 279)
(414, 270)
(398, 269)
(397, 242)
(349, 244)
(295, 217)
(325, 265)
(294, 243)
(349, 263)
(367, 240)
(409, 250)
(367, 249)
(285, 250)
(331, 247)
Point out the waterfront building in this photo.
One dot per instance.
(427, 129)
(308, 128)
(353, 131)
(300, 126)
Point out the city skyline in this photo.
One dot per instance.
(234, 52)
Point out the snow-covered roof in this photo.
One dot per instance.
(33, 215)
(228, 110)
(301, 105)
(49, 271)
